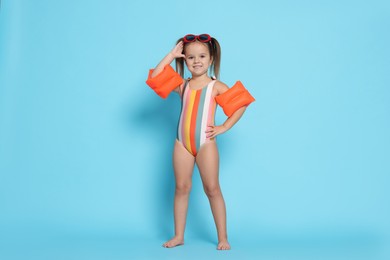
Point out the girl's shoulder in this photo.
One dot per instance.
(220, 87)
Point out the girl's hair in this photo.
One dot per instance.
(215, 53)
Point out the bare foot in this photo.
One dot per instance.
(175, 241)
(223, 245)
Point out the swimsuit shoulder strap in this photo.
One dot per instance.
(211, 83)
(184, 88)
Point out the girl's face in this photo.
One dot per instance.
(197, 58)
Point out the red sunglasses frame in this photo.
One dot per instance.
(197, 37)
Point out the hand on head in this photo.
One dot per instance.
(177, 51)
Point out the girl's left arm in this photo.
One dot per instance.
(212, 130)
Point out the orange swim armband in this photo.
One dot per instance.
(164, 82)
(234, 98)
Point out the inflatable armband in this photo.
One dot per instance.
(234, 98)
(164, 82)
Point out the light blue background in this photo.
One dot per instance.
(85, 145)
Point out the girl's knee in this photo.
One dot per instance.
(212, 191)
(183, 188)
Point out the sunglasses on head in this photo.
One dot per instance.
(201, 37)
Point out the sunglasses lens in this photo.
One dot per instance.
(189, 38)
(204, 37)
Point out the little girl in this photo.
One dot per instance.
(196, 132)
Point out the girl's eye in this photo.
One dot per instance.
(190, 58)
(202, 56)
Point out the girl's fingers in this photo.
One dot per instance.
(209, 129)
(211, 134)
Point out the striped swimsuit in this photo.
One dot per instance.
(197, 112)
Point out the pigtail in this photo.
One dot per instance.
(180, 62)
(216, 53)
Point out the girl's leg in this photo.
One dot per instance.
(208, 164)
(183, 165)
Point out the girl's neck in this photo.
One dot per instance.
(202, 77)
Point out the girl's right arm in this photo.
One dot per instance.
(163, 79)
(176, 52)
